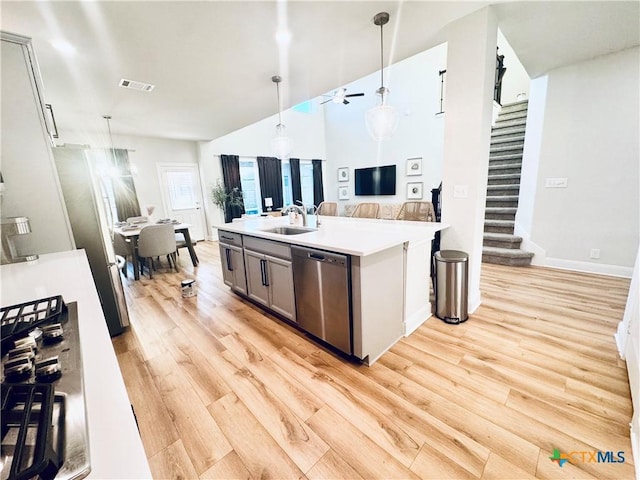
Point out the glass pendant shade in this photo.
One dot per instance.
(382, 120)
(281, 145)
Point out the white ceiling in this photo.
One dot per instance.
(211, 62)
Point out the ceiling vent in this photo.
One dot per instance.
(144, 87)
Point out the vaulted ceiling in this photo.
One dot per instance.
(211, 62)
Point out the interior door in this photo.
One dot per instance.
(182, 196)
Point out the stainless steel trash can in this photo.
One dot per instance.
(452, 286)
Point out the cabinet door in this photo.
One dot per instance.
(281, 293)
(239, 276)
(225, 262)
(257, 281)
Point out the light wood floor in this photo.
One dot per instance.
(222, 390)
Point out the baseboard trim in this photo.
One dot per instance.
(412, 323)
(589, 267)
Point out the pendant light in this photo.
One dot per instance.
(382, 119)
(281, 144)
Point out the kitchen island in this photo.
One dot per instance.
(116, 450)
(390, 264)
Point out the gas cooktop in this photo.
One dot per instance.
(44, 421)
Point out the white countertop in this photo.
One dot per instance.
(115, 446)
(353, 236)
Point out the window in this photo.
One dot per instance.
(306, 181)
(287, 190)
(250, 186)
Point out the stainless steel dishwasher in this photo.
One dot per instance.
(323, 293)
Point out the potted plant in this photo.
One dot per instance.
(226, 201)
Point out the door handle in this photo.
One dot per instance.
(263, 272)
(227, 252)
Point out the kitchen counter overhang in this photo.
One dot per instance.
(390, 271)
(353, 236)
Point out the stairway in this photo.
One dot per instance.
(500, 245)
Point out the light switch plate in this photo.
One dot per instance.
(460, 191)
(556, 182)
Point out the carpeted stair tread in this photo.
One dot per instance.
(507, 139)
(506, 252)
(502, 130)
(503, 188)
(501, 237)
(502, 198)
(495, 159)
(506, 256)
(506, 176)
(499, 149)
(505, 166)
(514, 106)
(503, 210)
(512, 120)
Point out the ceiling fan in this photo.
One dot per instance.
(340, 96)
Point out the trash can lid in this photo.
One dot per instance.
(187, 282)
(452, 256)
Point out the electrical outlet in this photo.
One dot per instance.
(595, 253)
(460, 191)
(556, 182)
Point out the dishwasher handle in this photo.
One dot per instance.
(319, 256)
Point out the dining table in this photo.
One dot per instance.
(132, 233)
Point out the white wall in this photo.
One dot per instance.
(415, 91)
(470, 71)
(590, 135)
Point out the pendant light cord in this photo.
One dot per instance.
(381, 60)
(279, 107)
(108, 118)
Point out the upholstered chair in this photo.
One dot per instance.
(154, 241)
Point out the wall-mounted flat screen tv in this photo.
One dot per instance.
(376, 180)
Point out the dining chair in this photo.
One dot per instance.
(366, 210)
(329, 209)
(154, 241)
(417, 211)
(122, 247)
(137, 219)
(182, 243)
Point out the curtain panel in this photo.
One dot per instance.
(124, 190)
(270, 173)
(296, 184)
(318, 188)
(231, 180)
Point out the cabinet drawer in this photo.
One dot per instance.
(230, 238)
(277, 249)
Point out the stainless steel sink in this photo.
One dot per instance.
(289, 230)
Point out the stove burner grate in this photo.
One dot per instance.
(17, 320)
(28, 413)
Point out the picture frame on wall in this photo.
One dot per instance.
(343, 193)
(414, 190)
(343, 174)
(414, 166)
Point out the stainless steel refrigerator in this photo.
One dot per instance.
(88, 217)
